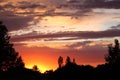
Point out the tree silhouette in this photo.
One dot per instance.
(74, 61)
(9, 58)
(68, 60)
(113, 56)
(35, 68)
(60, 61)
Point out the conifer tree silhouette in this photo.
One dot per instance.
(74, 61)
(68, 60)
(9, 58)
(113, 56)
(60, 61)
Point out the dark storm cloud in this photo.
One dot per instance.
(94, 3)
(83, 7)
(103, 3)
(78, 35)
(16, 22)
(26, 4)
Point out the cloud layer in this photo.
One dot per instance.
(20, 9)
(71, 35)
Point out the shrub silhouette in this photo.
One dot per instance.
(35, 68)
(9, 58)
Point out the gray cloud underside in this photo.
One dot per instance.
(76, 35)
(116, 27)
(92, 4)
(104, 3)
(16, 20)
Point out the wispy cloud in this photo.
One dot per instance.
(73, 35)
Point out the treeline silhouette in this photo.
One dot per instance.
(12, 66)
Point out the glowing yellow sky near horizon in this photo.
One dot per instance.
(46, 59)
(55, 24)
(43, 52)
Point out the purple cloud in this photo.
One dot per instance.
(76, 35)
(81, 4)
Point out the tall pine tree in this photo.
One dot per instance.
(9, 58)
(113, 56)
(60, 61)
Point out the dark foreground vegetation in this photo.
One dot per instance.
(12, 66)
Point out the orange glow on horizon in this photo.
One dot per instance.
(46, 29)
(45, 63)
(41, 68)
(46, 58)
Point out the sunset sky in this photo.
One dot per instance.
(43, 30)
